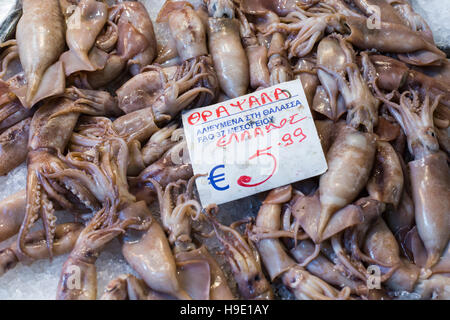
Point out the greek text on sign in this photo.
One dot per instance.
(253, 143)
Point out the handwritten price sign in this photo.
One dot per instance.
(253, 143)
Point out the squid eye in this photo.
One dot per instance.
(431, 133)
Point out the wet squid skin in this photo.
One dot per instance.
(256, 53)
(198, 273)
(303, 70)
(78, 280)
(244, 260)
(152, 258)
(127, 40)
(129, 287)
(167, 91)
(136, 38)
(12, 212)
(230, 59)
(65, 237)
(14, 146)
(396, 75)
(386, 182)
(278, 263)
(331, 55)
(341, 184)
(430, 178)
(323, 268)
(362, 106)
(429, 172)
(172, 166)
(40, 39)
(50, 131)
(382, 246)
(410, 45)
(188, 31)
(51, 135)
(397, 12)
(218, 289)
(89, 15)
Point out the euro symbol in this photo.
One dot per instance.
(213, 179)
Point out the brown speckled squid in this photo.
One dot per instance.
(417, 50)
(78, 280)
(83, 26)
(169, 90)
(198, 272)
(174, 165)
(129, 287)
(429, 171)
(256, 54)
(127, 41)
(50, 131)
(243, 258)
(12, 212)
(327, 99)
(136, 39)
(14, 145)
(278, 263)
(304, 29)
(40, 41)
(65, 237)
(225, 47)
(355, 143)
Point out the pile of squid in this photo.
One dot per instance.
(92, 101)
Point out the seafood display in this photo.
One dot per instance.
(91, 101)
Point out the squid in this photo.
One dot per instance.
(192, 83)
(304, 30)
(78, 280)
(278, 263)
(174, 165)
(244, 259)
(305, 71)
(340, 185)
(417, 50)
(129, 287)
(12, 212)
(256, 53)
(320, 266)
(386, 182)
(382, 246)
(279, 66)
(429, 172)
(136, 42)
(361, 104)
(225, 47)
(395, 75)
(176, 205)
(280, 7)
(40, 41)
(186, 28)
(127, 41)
(50, 131)
(355, 144)
(65, 237)
(14, 146)
(405, 11)
(331, 55)
(198, 272)
(152, 258)
(89, 15)
(397, 12)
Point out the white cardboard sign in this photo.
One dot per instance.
(253, 143)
